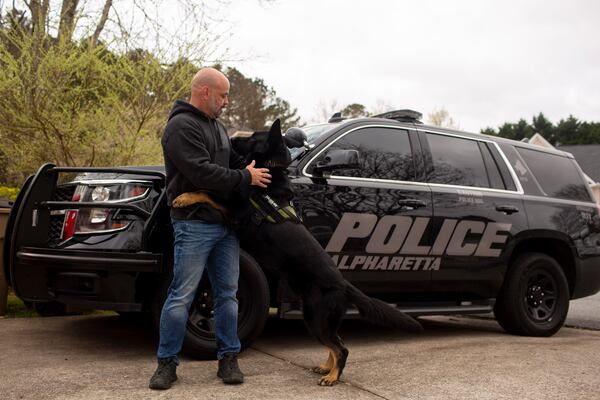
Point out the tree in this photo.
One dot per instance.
(355, 110)
(567, 131)
(441, 117)
(84, 106)
(325, 110)
(76, 91)
(381, 106)
(253, 105)
(543, 126)
(69, 98)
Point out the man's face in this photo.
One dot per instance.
(218, 98)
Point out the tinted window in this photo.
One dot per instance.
(509, 183)
(558, 176)
(526, 178)
(491, 167)
(456, 161)
(313, 133)
(384, 153)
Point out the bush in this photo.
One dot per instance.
(9, 193)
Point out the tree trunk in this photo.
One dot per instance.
(67, 20)
(39, 13)
(101, 23)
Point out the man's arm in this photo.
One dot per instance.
(187, 151)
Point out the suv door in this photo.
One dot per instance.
(363, 216)
(477, 208)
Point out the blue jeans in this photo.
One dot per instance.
(199, 244)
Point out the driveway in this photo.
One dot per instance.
(107, 357)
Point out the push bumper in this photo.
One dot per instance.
(90, 279)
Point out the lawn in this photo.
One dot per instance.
(16, 309)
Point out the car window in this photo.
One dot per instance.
(312, 134)
(493, 173)
(524, 174)
(558, 176)
(507, 177)
(456, 161)
(384, 153)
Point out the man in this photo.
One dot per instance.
(198, 156)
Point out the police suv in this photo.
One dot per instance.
(435, 221)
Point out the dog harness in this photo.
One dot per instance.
(265, 208)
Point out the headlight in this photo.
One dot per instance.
(100, 193)
(101, 220)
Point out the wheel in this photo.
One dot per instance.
(50, 309)
(534, 300)
(253, 310)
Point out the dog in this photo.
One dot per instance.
(273, 234)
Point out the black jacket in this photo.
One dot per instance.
(198, 156)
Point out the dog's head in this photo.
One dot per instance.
(267, 148)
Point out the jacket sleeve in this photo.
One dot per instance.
(187, 151)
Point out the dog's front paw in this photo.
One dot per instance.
(183, 200)
(328, 380)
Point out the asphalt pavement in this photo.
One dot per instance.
(108, 357)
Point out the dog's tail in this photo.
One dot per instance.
(381, 313)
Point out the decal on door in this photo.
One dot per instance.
(395, 242)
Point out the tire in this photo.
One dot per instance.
(50, 309)
(535, 297)
(253, 310)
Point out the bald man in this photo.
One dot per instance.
(198, 156)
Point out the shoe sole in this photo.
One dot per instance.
(231, 381)
(163, 387)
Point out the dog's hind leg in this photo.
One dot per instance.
(340, 355)
(323, 316)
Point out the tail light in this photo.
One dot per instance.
(100, 220)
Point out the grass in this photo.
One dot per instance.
(15, 308)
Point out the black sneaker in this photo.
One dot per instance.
(164, 375)
(229, 371)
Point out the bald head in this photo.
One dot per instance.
(210, 91)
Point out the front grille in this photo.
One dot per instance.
(64, 193)
(57, 217)
(55, 229)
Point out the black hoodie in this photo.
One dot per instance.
(198, 157)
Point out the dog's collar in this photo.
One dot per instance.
(265, 208)
(275, 164)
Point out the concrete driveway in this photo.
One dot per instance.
(106, 357)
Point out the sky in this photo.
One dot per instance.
(485, 62)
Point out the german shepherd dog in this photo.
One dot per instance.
(287, 248)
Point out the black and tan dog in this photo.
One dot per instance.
(276, 238)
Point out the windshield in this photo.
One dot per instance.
(313, 132)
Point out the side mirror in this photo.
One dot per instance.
(338, 159)
(295, 138)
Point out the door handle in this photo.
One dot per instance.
(507, 209)
(413, 203)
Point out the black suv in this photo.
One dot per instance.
(433, 220)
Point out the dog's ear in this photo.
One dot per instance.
(276, 127)
(240, 145)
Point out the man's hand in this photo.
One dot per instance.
(260, 176)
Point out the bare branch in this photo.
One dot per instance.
(102, 22)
